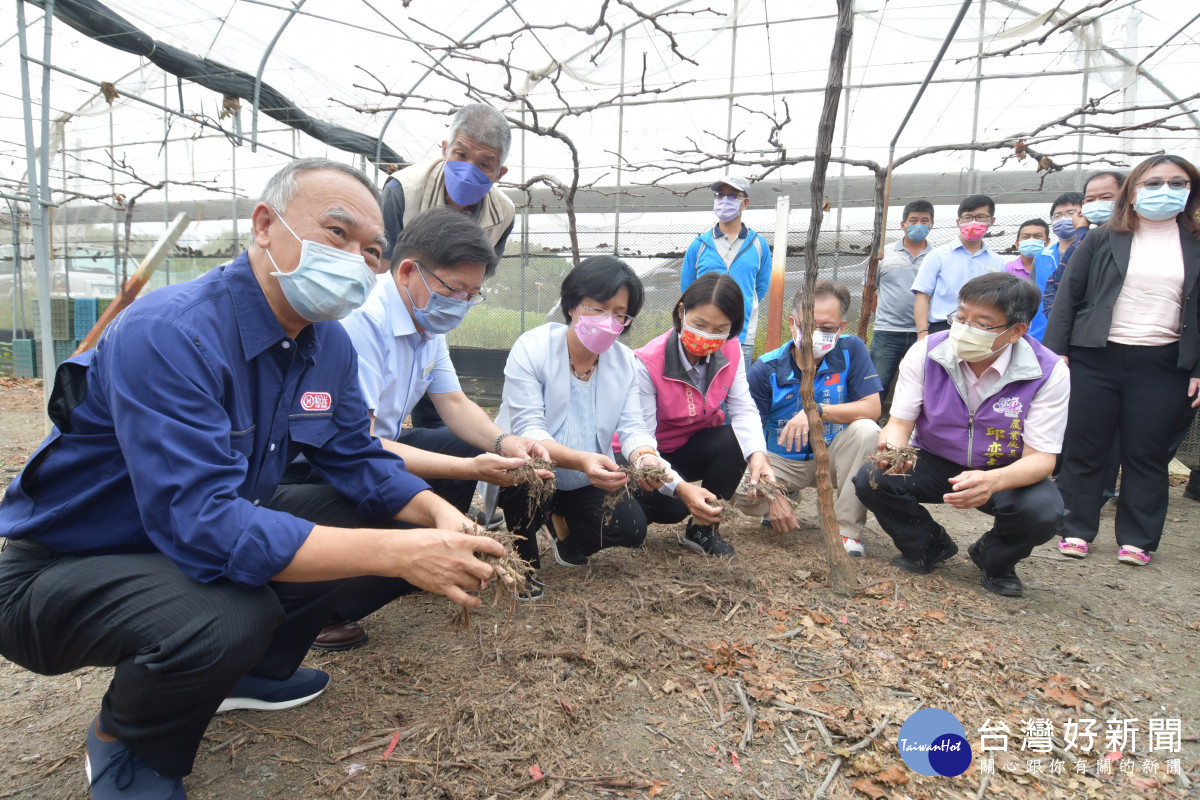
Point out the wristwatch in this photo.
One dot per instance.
(500, 439)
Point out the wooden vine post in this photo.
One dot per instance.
(841, 570)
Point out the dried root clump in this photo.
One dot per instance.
(890, 460)
(768, 489)
(653, 473)
(541, 490)
(510, 568)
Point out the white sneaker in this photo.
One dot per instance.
(854, 547)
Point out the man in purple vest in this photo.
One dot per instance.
(986, 407)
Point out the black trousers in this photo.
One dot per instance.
(425, 414)
(178, 645)
(457, 493)
(1024, 518)
(1140, 395)
(581, 508)
(713, 457)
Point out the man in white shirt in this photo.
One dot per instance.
(436, 276)
(993, 450)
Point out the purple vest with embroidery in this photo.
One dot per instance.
(994, 435)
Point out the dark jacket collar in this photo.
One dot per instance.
(257, 326)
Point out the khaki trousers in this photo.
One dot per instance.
(846, 454)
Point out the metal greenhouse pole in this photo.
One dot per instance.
(39, 194)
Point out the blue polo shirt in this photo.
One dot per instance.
(944, 272)
(844, 375)
(173, 431)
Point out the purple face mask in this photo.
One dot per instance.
(466, 183)
(597, 333)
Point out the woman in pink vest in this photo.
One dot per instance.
(684, 378)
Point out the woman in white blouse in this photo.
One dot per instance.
(689, 378)
(1126, 317)
(572, 387)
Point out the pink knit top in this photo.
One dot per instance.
(1148, 308)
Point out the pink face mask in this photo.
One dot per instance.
(973, 231)
(597, 333)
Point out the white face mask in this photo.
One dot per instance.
(971, 344)
(822, 342)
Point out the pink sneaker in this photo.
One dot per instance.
(1127, 555)
(1073, 548)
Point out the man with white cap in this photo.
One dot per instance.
(734, 248)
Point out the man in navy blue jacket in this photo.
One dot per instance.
(141, 534)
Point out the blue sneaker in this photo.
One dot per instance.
(115, 773)
(265, 694)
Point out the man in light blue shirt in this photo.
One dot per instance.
(895, 330)
(436, 275)
(948, 267)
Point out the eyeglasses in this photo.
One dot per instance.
(1174, 183)
(623, 320)
(1062, 215)
(953, 318)
(462, 295)
(965, 218)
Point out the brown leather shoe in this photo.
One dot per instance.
(341, 636)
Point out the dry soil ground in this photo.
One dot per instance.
(628, 679)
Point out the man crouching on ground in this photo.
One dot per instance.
(986, 407)
(140, 534)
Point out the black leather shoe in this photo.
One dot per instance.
(1007, 585)
(938, 552)
(340, 636)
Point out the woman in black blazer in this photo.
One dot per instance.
(1126, 319)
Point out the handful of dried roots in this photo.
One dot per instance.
(890, 459)
(511, 570)
(540, 489)
(653, 473)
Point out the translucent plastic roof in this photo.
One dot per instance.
(649, 84)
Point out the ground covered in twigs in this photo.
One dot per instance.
(655, 672)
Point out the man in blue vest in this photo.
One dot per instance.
(986, 406)
(732, 247)
(846, 390)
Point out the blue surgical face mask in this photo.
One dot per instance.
(441, 314)
(1064, 228)
(327, 284)
(1097, 212)
(1161, 203)
(466, 183)
(917, 233)
(1031, 247)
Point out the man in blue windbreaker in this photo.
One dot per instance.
(734, 248)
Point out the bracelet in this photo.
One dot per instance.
(924, 331)
(820, 411)
(638, 461)
(500, 439)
